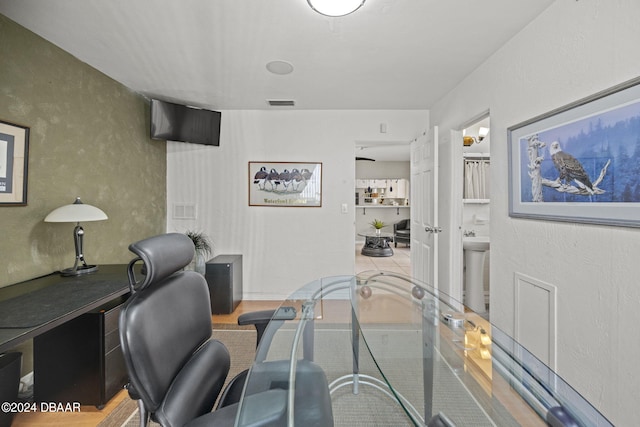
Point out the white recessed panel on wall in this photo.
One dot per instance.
(535, 317)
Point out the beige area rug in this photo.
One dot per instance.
(241, 343)
(333, 352)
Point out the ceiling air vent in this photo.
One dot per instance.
(281, 102)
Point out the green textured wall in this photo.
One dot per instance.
(88, 138)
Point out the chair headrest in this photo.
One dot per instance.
(162, 256)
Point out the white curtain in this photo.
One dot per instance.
(476, 179)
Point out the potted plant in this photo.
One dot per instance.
(378, 225)
(203, 249)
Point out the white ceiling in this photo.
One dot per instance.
(390, 54)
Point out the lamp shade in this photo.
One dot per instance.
(335, 7)
(76, 212)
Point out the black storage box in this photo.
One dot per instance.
(224, 277)
(10, 365)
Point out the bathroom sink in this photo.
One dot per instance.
(475, 243)
(475, 249)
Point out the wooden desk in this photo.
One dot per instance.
(74, 325)
(35, 306)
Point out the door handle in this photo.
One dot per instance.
(431, 229)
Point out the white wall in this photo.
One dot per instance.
(282, 248)
(383, 169)
(574, 49)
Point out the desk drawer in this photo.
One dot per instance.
(111, 313)
(81, 360)
(111, 341)
(115, 372)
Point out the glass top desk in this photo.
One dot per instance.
(397, 353)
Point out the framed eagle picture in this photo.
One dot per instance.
(580, 162)
(285, 184)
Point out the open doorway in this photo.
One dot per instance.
(475, 214)
(382, 193)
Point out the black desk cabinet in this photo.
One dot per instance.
(224, 277)
(81, 360)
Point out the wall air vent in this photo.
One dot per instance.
(184, 211)
(281, 102)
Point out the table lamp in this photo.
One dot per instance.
(77, 212)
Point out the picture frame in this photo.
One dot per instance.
(14, 162)
(285, 184)
(578, 163)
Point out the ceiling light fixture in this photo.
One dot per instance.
(335, 7)
(280, 67)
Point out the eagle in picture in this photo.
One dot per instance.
(569, 168)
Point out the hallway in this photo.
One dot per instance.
(400, 262)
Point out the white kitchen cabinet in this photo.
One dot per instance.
(397, 189)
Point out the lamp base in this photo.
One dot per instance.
(76, 271)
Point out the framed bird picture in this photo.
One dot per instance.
(580, 162)
(285, 184)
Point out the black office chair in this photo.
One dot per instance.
(402, 232)
(176, 370)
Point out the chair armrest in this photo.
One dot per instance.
(264, 316)
(255, 317)
(260, 319)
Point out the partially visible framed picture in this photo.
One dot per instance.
(289, 184)
(581, 162)
(14, 160)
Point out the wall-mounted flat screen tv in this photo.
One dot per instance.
(177, 122)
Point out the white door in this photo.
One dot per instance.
(454, 225)
(424, 208)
